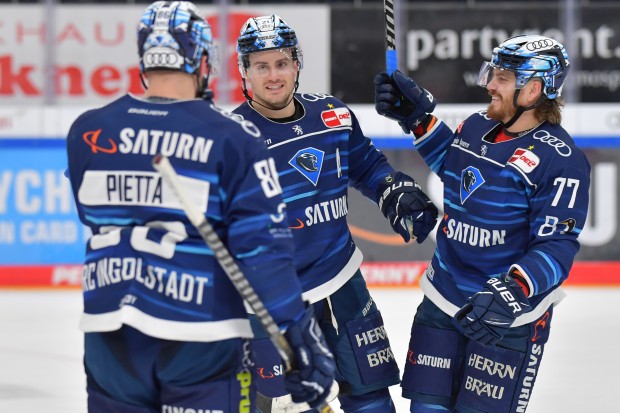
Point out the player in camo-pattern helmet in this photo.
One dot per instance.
(173, 36)
(259, 34)
(529, 57)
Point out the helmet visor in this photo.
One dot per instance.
(487, 72)
(263, 64)
(485, 75)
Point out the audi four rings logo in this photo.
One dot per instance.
(539, 44)
(554, 142)
(161, 59)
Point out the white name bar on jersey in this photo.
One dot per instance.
(139, 188)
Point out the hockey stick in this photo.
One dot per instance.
(228, 264)
(284, 404)
(391, 59)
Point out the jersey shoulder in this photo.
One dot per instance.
(101, 111)
(548, 152)
(329, 112)
(554, 146)
(97, 117)
(477, 122)
(225, 122)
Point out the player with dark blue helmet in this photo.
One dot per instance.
(516, 193)
(319, 151)
(165, 328)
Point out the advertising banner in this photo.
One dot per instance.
(38, 220)
(94, 60)
(93, 52)
(443, 46)
(42, 241)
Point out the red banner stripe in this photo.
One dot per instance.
(377, 274)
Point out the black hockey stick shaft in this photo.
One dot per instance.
(228, 264)
(391, 58)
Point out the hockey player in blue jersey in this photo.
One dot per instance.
(165, 329)
(515, 201)
(320, 151)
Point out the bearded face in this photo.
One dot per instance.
(502, 88)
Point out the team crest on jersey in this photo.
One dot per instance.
(471, 179)
(308, 162)
(525, 160)
(336, 117)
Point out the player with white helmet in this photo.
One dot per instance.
(319, 151)
(515, 201)
(165, 328)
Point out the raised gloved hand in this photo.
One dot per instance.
(488, 314)
(410, 212)
(312, 377)
(398, 97)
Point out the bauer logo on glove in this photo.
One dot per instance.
(410, 212)
(488, 314)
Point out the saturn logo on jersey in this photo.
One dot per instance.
(91, 138)
(336, 117)
(471, 179)
(308, 162)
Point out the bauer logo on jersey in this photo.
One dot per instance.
(308, 162)
(524, 160)
(336, 117)
(471, 179)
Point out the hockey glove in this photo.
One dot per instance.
(410, 212)
(399, 98)
(314, 373)
(488, 315)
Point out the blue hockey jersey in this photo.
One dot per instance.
(146, 265)
(318, 156)
(517, 204)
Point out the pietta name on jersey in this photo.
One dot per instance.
(145, 264)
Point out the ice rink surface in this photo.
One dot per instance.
(41, 351)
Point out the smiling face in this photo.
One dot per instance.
(272, 75)
(501, 87)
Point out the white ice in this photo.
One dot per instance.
(41, 351)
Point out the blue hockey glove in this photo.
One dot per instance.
(488, 315)
(399, 98)
(314, 373)
(410, 212)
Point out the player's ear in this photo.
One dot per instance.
(534, 91)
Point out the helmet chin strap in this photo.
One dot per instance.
(144, 85)
(244, 89)
(202, 89)
(521, 109)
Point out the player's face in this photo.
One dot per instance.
(272, 75)
(502, 88)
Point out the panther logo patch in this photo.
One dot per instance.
(308, 162)
(471, 179)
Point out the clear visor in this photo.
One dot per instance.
(488, 71)
(264, 64)
(485, 75)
